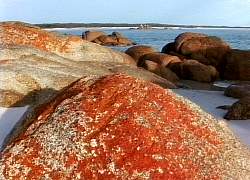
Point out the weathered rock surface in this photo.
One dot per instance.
(193, 70)
(71, 47)
(239, 110)
(160, 71)
(115, 39)
(107, 40)
(238, 65)
(168, 48)
(118, 127)
(160, 58)
(24, 69)
(136, 52)
(238, 90)
(208, 50)
(91, 35)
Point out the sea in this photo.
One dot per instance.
(158, 37)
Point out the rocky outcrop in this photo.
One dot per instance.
(168, 48)
(238, 90)
(91, 35)
(208, 50)
(238, 65)
(157, 63)
(159, 58)
(118, 127)
(115, 39)
(239, 110)
(25, 69)
(136, 52)
(193, 70)
(106, 40)
(71, 47)
(160, 71)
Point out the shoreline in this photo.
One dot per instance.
(136, 28)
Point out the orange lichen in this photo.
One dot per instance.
(18, 34)
(118, 127)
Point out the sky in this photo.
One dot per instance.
(195, 12)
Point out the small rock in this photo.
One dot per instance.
(239, 110)
(238, 90)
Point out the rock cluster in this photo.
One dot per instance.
(202, 58)
(211, 51)
(241, 109)
(115, 39)
(35, 63)
(90, 119)
(119, 127)
(71, 47)
(172, 66)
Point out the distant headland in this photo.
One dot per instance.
(91, 25)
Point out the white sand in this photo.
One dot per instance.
(209, 100)
(8, 118)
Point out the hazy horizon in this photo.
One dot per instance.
(189, 12)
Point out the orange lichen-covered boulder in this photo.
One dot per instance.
(118, 127)
(72, 47)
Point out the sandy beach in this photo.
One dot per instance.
(209, 100)
(8, 118)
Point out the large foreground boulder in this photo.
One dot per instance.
(72, 47)
(193, 70)
(118, 127)
(239, 110)
(24, 70)
(136, 52)
(238, 65)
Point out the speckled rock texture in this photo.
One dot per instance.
(36, 62)
(72, 47)
(239, 110)
(26, 73)
(119, 127)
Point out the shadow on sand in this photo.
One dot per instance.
(16, 119)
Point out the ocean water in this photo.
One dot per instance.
(157, 38)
